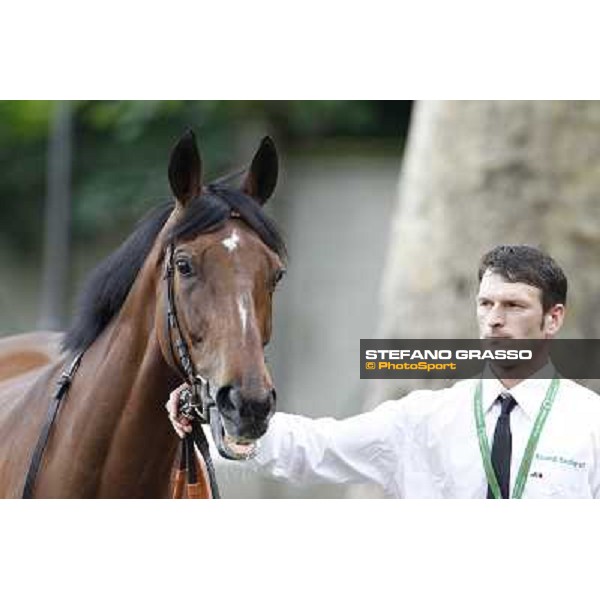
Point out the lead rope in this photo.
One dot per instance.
(201, 443)
(188, 482)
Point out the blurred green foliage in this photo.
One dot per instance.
(121, 149)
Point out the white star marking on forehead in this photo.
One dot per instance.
(231, 243)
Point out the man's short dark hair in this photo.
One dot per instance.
(526, 264)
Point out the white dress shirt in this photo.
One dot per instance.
(425, 445)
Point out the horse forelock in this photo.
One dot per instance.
(215, 206)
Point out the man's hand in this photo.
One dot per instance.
(181, 425)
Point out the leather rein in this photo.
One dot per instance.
(196, 404)
(62, 387)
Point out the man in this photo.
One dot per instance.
(428, 445)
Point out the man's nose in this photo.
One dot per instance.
(495, 317)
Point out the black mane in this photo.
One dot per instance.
(107, 287)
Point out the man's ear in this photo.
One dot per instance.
(185, 169)
(261, 178)
(553, 319)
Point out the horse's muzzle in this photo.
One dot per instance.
(245, 417)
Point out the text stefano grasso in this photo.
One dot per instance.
(499, 354)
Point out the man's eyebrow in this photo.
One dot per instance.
(504, 299)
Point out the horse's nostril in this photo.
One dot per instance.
(260, 409)
(225, 399)
(231, 401)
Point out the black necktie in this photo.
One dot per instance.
(502, 445)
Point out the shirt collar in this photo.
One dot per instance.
(529, 394)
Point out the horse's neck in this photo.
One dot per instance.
(114, 426)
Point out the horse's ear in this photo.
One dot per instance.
(262, 176)
(185, 168)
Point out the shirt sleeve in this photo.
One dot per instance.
(361, 449)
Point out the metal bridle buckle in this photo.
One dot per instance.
(187, 405)
(195, 401)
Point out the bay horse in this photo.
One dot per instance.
(217, 257)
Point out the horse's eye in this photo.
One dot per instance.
(184, 266)
(278, 276)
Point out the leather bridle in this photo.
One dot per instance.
(197, 403)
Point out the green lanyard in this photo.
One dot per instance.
(532, 443)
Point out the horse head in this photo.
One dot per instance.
(222, 261)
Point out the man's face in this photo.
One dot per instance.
(514, 310)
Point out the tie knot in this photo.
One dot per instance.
(507, 403)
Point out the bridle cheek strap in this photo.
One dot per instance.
(196, 405)
(178, 348)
